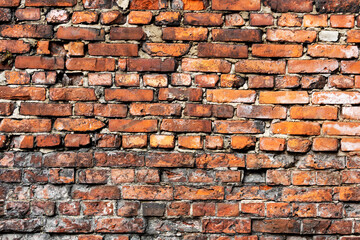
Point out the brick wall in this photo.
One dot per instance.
(181, 119)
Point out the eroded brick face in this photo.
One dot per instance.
(179, 119)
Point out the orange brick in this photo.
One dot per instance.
(272, 144)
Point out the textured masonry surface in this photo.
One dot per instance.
(181, 119)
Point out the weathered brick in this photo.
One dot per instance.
(284, 97)
(184, 34)
(312, 112)
(337, 6)
(191, 193)
(222, 50)
(260, 66)
(261, 112)
(236, 35)
(312, 66)
(333, 51)
(79, 33)
(125, 33)
(277, 50)
(296, 128)
(203, 19)
(143, 192)
(128, 125)
(50, 3)
(72, 94)
(150, 65)
(166, 49)
(239, 127)
(77, 124)
(25, 125)
(91, 64)
(284, 35)
(185, 125)
(49, 63)
(231, 96)
(26, 31)
(243, 5)
(126, 95)
(290, 6)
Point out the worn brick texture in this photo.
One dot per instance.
(179, 119)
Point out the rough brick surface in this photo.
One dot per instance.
(179, 119)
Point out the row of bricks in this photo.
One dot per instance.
(178, 209)
(188, 65)
(244, 5)
(121, 176)
(176, 160)
(295, 145)
(196, 192)
(205, 225)
(174, 18)
(182, 79)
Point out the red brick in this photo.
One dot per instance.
(155, 109)
(119, 176)
(14, 46)
(113, 49)
(231, 80)
(308, 195)
(234, 20)
(298, 145)
(290, 6)
(287, 82)
(45, 109)
(22, 93)
(91, 64)
(126, 33)
(134, 141)
(190, 142)
(214, 142)
(296, 128)
(190, 193)
(46, 78)
(69, 208)
(169, 160)
(261, 112)
(6, 109)
(185, 125)
(206, 81)
(303, 177)
(228, 209)
(147, 192)
(9, 3)
(128, 80)
(28, 14)
(108, 141)
(127, 95)
(26, 31)
(232, 5)
(284, 97)
(341, 82)
(228, 226)
(261, 19)
(278, 209)
(284, 35)
(203, 19)
(77, 124)
(155, 80)
(150, 65)
(139, 17)
(181, 94)
(342, 21)
(162, 141)
(50, 3)
(120, 225)
(258, 161)
(238, 127)
(312, 66)
(313, 112)
(222, 50)
(57, 16)
(325, 144)
(80, 33)
(236, 35)
(128, 209)
(278, 177)
(72, 94)
(260, 81)
(184, 34)
(340, 128)
(77, 140)
(242, 142)
(335, 98)
(231, 96)
(289, 20)
(168, 18)
(25, 125)
(349, 194)
(277, 50)
(166, 49)
(272, 144)
(100, 79)
(333, 51)
(84, 17)
(35, 62)
(260, 66)
(350, 144)
(15, 77)
(48, 140)
(311, 20)
(209, 65)
(112, 17)
(128, 125)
